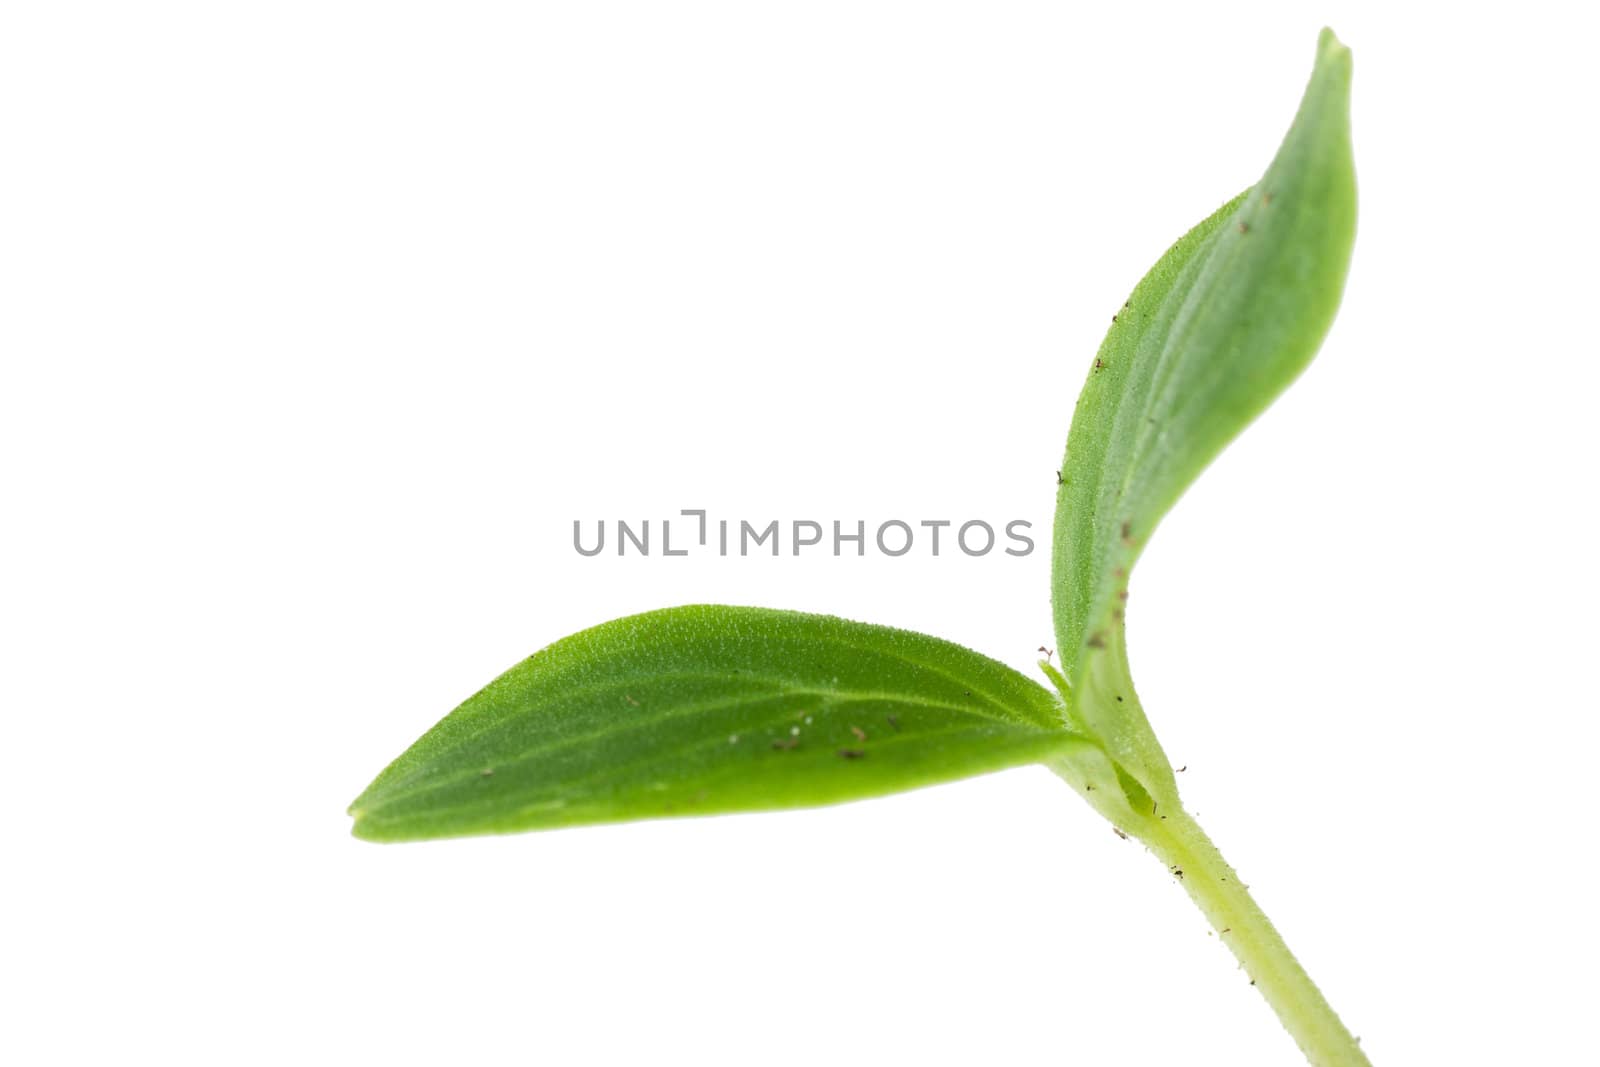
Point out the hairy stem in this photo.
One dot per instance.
(1214, 886)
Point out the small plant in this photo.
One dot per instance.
(706, 709)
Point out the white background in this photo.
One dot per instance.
(321, 323)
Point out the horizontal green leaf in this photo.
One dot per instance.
(704, 709)
(1216, 330)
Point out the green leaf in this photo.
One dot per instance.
(703, 709)
(1217, 329)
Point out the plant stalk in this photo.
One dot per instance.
(1180, 843)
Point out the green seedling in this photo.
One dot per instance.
(706, 709)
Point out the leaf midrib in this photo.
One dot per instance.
(837, 696)
(554, 803)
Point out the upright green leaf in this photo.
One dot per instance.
(703, 709)
(1217, 329)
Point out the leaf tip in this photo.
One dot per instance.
(1332, 53)
(360, 824)
(376, 830)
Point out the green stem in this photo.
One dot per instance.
(1178, 842)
